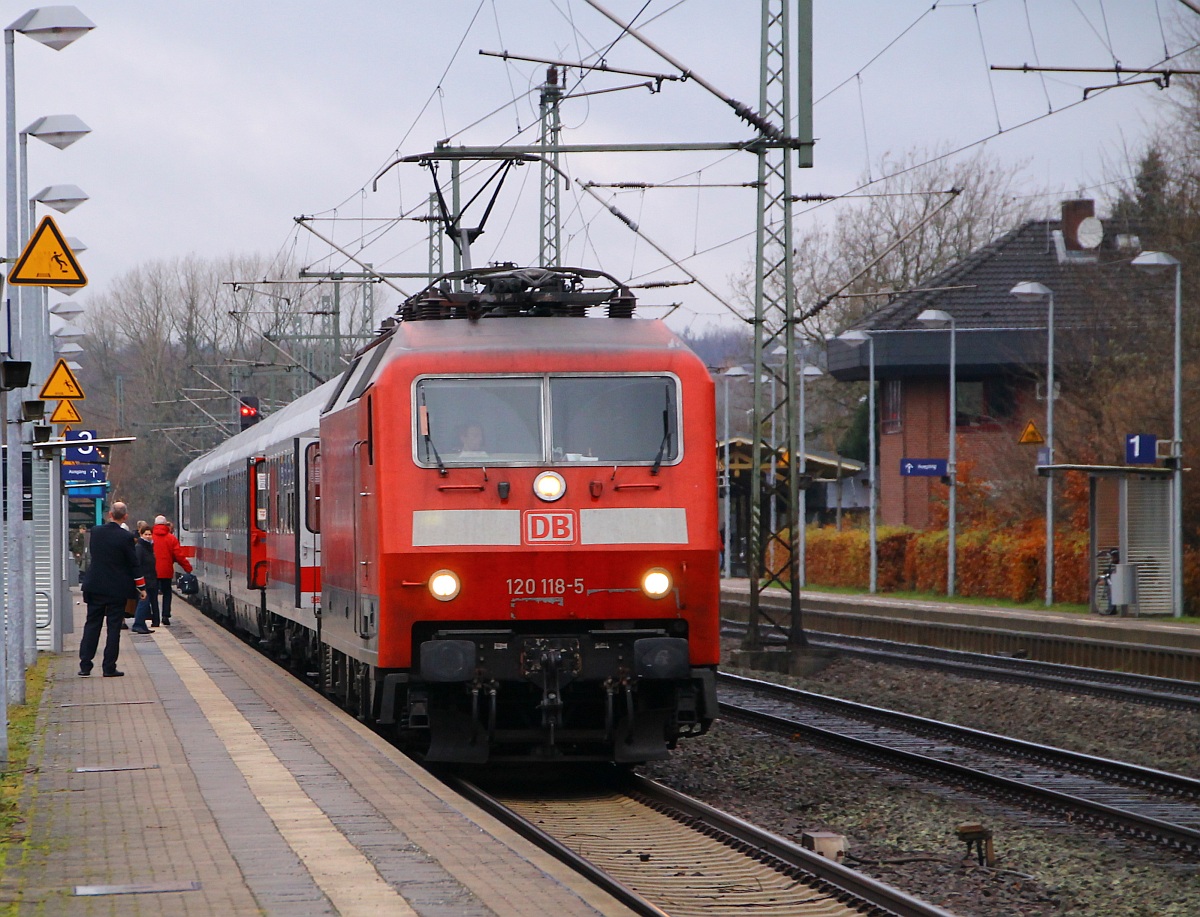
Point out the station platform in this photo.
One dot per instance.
(1158, 646)
(209, 781)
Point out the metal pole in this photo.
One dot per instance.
(1050, 452)
(871, 447)
(774, 464)
(952, 541)
(1177, 452)
(19, 543)
(8, 573)
(728, 482)
(802, 562)
(549, 249)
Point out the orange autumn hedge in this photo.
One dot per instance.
(1006, 564)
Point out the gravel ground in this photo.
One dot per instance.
(905, 836)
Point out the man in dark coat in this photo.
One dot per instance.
(110, 581)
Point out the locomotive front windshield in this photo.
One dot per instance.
(498, 420)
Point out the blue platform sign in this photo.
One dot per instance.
(83, 452)
(84, 474)
(76, 490)
(923, 468)
(1141, 449)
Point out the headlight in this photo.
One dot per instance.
(549, 486)
(656, 583)
(444, 585)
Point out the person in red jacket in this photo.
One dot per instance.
(167, 553)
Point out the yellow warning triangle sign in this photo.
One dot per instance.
(1031, 436)
(61, 384)
(65, 413)
(47, 260)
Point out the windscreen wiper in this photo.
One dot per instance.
(429, 446)
(666, 440)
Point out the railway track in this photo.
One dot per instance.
(1124, 686)
(662, 853)
(1136, 801)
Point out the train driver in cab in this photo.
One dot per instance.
(470, 442)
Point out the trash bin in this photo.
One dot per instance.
(1123, 583)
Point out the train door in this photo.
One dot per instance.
(366, 542)
(258, 497)
(308, 526)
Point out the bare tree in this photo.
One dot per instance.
(900, 233)
(175, 344)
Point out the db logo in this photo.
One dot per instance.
(547, 528)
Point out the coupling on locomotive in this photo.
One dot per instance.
(495, 533)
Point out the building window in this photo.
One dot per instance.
(982, 405)
(890, 415)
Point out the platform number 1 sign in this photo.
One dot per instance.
(1141, 449)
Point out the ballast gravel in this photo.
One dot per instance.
(901, 830)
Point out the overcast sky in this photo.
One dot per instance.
(216, 123)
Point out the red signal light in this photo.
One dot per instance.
(248, 411)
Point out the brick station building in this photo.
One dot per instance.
(1001, 347)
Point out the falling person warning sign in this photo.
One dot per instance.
(61, 384)
(65, 413)
(1031, 436)
(47, 261)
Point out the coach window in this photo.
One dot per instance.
(185, 509)
(478, 421)
(614, 419)
(312, 496)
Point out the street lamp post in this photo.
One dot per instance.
(806, 369)
(855, 338)
(938, 318)
(1031, 291)
(56, 27)
(1153, 263)
(732, 371)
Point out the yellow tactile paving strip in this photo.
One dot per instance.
(342, 872)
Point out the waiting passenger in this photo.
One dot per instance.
(167, 553)
(147, 606)
(112, 578)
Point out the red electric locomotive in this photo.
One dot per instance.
(495, 531)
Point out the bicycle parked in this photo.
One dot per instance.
(1102, 587)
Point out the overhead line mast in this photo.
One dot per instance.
(770, 546)
(774, 550)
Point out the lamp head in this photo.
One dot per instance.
(58, 130)
(66, 309)
(736, 371)
(1031, 291)
(1154, 262)
(63, 198)
(853, 338)
(67, 332)
(54, 26)
(936, 317)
